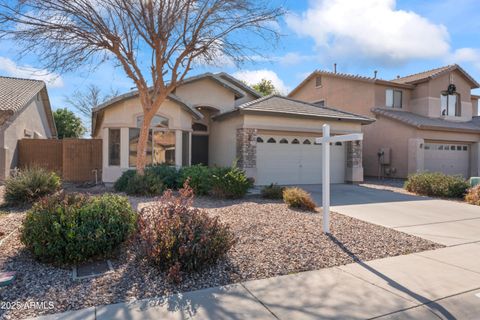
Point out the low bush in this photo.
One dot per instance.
(73, 228)
(298, 198)
(28, 185)
(437, 184)
(473, 195)
(177, 237)
(168, 175)
(121, 184)
(148, 184)
(155, 180)
(273, 191)
(229, 183)
(199, 178)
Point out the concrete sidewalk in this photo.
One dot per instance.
(440, 284)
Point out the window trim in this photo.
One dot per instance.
(393, 98)
(458, 104)
(119, 147)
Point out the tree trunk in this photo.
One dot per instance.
(142, 144)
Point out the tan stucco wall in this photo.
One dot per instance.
(207, 92)
(222, 141)
(268, 122)
(386, 133)
(32, 118)
(397, 136)
(123, 114)
(340, 93)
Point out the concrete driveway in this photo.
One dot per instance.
(442, 221)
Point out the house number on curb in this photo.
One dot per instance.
(325, 141)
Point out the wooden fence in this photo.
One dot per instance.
(75, 160)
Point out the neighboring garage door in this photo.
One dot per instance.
(449, 158)
(296, 160)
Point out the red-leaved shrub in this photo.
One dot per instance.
(177, 237)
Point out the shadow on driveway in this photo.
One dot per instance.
(349, 194)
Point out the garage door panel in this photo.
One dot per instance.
(449, 158)
(300, 163)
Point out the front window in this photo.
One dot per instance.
(113, 147)
(450, 104)
(393, 98)
(160, 144)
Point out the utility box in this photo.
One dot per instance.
(474, 181)
(385, 155)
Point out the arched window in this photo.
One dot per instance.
(295, 141)
(259, 140)
(199, 127)
(157, 122)
(306, 141)
(271, 140)
(284, 141)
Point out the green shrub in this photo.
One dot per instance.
(31, 184)
(73, 228)
(437, 184)
(147, 185)
(121, 184)
(168, 175)
(177, 237)
(229, 183)
(298, 198)
(155, 180)
(272, 191)
(473, 195)
(199, 177)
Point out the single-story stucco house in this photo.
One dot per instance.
(25, 112)
(215, 119)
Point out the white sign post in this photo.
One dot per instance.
(325, 141)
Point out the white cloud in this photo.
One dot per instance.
(466, 55)
(255, 76)
(14, 70)
(371, 29)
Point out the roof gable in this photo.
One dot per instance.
(15, 93)
(434, 73)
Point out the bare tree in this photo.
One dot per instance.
(91, 97)
(156, 42)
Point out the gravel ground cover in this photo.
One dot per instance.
(272, 240)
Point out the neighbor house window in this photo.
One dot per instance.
(450, 104)
(393, 98)
(113, 147)
(160, 143)
(318, 81)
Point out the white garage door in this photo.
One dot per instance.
(296, 160)
(449, 158)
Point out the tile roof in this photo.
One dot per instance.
(426, 123)
(283, 105)
(430, 74)
(348, 76)
(15, 93)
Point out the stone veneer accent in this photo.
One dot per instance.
(354, 154)
(247, 148)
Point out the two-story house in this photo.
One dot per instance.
(424, 122)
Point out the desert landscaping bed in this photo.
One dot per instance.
(272, 240)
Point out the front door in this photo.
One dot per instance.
(200, 150)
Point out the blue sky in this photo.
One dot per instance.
(394, 37)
